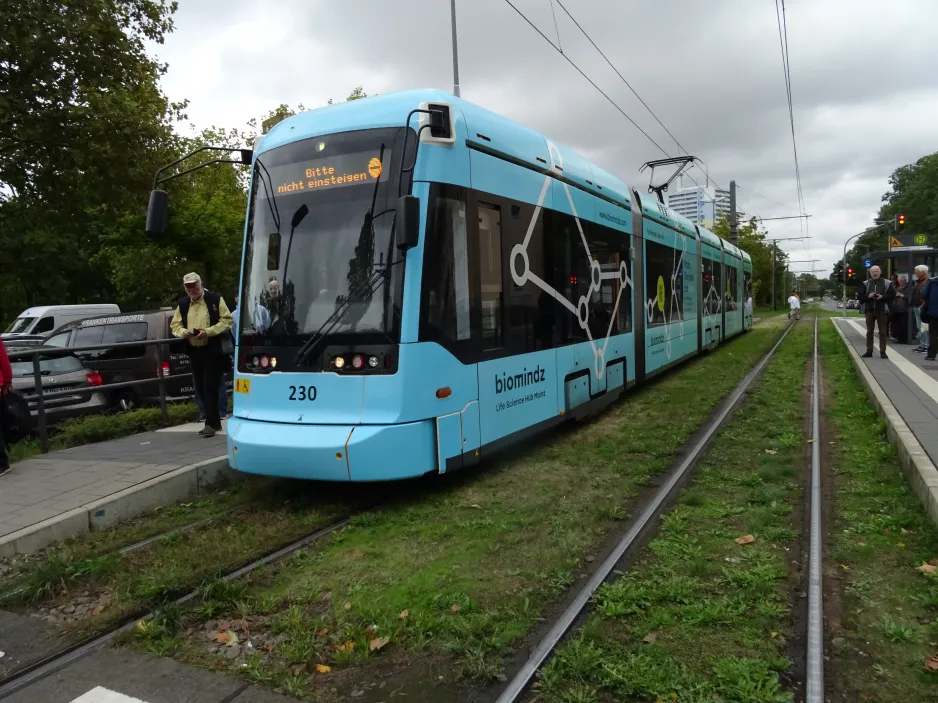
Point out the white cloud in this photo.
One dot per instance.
(863, 81)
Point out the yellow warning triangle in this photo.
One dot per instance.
(893, 242)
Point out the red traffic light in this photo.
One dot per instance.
(901, 219)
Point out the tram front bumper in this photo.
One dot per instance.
(332, 452)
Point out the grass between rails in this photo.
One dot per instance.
(886, 627)
(459, 577)
(699, 617)
(89, 592)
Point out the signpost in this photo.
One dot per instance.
(867, 263)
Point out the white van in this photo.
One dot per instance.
(46, 318)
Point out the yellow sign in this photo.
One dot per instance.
(242, 385)
(893, 242)
(374, 167)
(661, 293)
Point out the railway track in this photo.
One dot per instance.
(518, 687)
(73, 652)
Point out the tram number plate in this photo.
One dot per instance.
(242, 385)
(302, 392)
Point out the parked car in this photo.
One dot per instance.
(840, 305)
(44, 319)
(59, 371)
(133, 363)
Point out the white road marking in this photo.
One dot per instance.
(928, 384)
(105, 695)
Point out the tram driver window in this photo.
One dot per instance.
(490, 266)
(446, 273)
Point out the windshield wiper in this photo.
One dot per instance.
(366, 288)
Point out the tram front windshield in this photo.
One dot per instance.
(320, 249)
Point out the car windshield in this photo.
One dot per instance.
(320, 245)
(20, 325)
(48, 366)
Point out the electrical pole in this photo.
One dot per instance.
(733, 213)
(452, 5)
(774, 256)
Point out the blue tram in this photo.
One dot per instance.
(425, 282)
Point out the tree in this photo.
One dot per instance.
(83, 127)
(913, 192)
(752, 240)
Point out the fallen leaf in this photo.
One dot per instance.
(931, 662)
(455, 608)
(323, 669)
(774, 635)
(904, 531)
(810, 441)
(887, 532)
(2, 655)
(927, 568)
(900, 544)
(268, 647)
(378, 643)
(650, 638)
(476, 505)
(771, 451)
(227, 637)
(845, 567)
(97, 610)
(186, 505)
(323, 632)
(402, 615)
(348, 605)
(298, 669)
(347, 647)
(748, 539)
(141, 625)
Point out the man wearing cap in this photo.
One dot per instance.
(203, 319)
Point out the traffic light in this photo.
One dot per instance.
(850, 273)
(900, 223)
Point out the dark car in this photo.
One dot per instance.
(58, 371)
(131, 363)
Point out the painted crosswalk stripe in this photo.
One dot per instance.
(100, 694)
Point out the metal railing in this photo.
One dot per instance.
(35, 353)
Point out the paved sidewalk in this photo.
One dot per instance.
(44, 488)
(910, 383)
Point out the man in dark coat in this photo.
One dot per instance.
(875, 295)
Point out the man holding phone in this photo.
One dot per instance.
(204, 320)
(875, 295)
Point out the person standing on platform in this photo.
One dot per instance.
(203, 319)
(915, 300)
(875, 296)
(6, 386)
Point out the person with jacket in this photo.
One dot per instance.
(930, 312)
(203, 319)
(899, 310)
(875, 295)
(6, 387)
(916, 299)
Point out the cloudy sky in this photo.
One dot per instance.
(864, 83)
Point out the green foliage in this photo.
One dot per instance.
(752, 240)
(84, 127)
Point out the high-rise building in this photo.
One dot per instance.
(701, 205)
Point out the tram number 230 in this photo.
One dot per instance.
(302, 392)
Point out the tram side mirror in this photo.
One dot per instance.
(273, 251)
(408, 222)
(157, 213)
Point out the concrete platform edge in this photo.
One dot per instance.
(917, 467)
(162, 490)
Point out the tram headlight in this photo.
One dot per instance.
(265, 361)
(338, 362)
(373, 362)
(358, 361)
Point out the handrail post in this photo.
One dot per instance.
(159, 372)
(40, 406)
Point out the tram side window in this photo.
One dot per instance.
(747, 284)
(446, 271)
(610, 248)
(732, 288)
(569, 277)
(664, 289)
(711, 286)
(490, 267)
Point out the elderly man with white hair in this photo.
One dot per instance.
(916, 298)
(876, 294)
